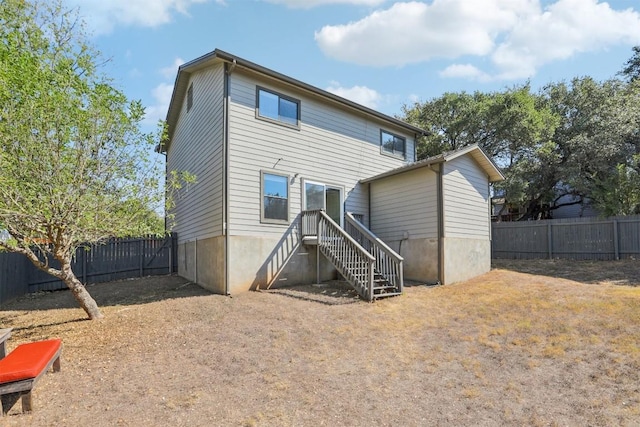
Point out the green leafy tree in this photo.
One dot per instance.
(619, 192)
(454, 120)
(631, 68)
(511, 126)
(573, 139)
(74, 164)
(598, 131)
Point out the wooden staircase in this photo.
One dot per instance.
(368, 264)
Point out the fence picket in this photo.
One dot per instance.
(573, 238)
(116, 259)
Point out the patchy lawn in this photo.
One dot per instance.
(624, 272)
(508, 348)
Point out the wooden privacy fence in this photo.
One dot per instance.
(114, 260)
(571, 238)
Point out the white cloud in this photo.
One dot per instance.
(466, 71)
(162, 97)
(518, 36)
(162, 94)
(103, 15)
(308, 4)
(171, 71)
(563, 29)
(360, 94)
(415, 32)
(413, 98)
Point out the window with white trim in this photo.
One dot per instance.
(279, 108)
(392, 144)
(274, 203)
(321, 196)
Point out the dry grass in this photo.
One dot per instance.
(507, 348)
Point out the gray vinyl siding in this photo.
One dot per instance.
(405, 202)
(333, 146)
(197, 147)
(466, 199)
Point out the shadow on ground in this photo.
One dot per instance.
(123, 292)
(623, 272)
(333, 292)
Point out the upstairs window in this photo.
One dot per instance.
(190, 97)
(279, 108)
(392, 144)
(275, 198)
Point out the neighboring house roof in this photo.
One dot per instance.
(474, 150)
(182, 81)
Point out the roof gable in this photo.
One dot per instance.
(483, 160)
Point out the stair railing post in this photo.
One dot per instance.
(388, 263)
(371, 275)
(317, 248)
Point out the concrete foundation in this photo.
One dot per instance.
(465, 258)
(202, 262)
(254, 263)
(257, 262)
(266, 262)
(420, 259)
(187, 261)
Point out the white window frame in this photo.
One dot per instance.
(324, 199)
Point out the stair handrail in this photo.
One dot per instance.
(388, 262)
(353, 261)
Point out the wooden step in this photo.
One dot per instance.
(382, 288)
(388, 294)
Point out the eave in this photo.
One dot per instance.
(483, 160)
(185, 70)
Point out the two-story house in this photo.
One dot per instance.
(284, 168)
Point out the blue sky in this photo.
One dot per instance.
(380, 53)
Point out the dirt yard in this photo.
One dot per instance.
(530, 343)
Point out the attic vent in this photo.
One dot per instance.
(190, 97)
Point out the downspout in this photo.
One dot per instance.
(369, 206)
(166, 174)
(440, 187)
(490, 209)
(166, 230)
(225, 173)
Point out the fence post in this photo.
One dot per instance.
(616, 248)
(2, 273)
(83, 251)
(174, 252)
(141, 255)
(170, 239)
(549, 241)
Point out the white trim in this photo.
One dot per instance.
(340, 188)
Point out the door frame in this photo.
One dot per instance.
(326, 186)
